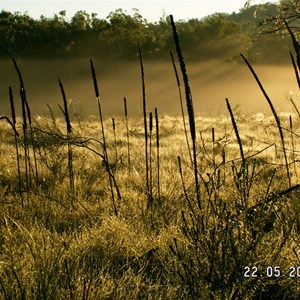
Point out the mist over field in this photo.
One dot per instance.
(211, 82)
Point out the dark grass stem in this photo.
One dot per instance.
(25, 141)
(150, 155)
(295, 106)
(295, 42)
(127, 133)
(28, 115)
(69, 131)
(236, 133)
(69, 279)
(190, 109)
(106, 161)
(13, 116)
(181, 106)
(293, 145)
(157, 152)
(145, 119)
(274, 114)
(115, 139)
(295, 69)
(213, 148)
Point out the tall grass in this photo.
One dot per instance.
(275, 117)
(27, 116)
(69, 131)
(181, 106)
(16, 135)
(106, 161)
(150, 158)
(127, 133)
(189, 103)
(145, 124)
(157, 152)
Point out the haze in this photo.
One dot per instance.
(211, 82)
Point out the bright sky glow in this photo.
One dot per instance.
(151, 10)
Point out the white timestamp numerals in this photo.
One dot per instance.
(271, 271)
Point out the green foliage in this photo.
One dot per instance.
(219, 34)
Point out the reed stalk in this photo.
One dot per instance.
(293, 145)
(275, 117)
(157, 152)
(28, 116)
(181, 106)
(69, 279)
(295, 69)
(103, 135)
(190, 109)
(213, 148)
(69, 132)
(145, 119)
(295, 106)
(127, 133)
(25, 142)
(150, 156)
(295, 42)
(236, 133)
(13, 116)
(115, 139)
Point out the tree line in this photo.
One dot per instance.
(219, 35)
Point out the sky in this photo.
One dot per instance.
(151, 10)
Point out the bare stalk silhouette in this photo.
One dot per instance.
(189, 103)
(103, 136)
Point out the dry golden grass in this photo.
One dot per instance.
(60, 246)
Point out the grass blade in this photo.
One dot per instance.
(274, 114)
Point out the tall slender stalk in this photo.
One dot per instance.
(103, 136)
(274, 114)
(150, 154)
(295, 106)
(293, 145)
(295, 69)
(28, 115)
(157, 152)
(25, 143)
(213, 148)
(181, 106)
(295, 42)
(115, 139)
(145, 118)
(127, 133)
(190, 109)
(13, 116)
(69, 131)
(236, 133)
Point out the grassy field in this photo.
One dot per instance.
(154, 207)
(59, 242)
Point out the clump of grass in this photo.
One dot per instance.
(27, 115)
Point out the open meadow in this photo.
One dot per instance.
(150, 206)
